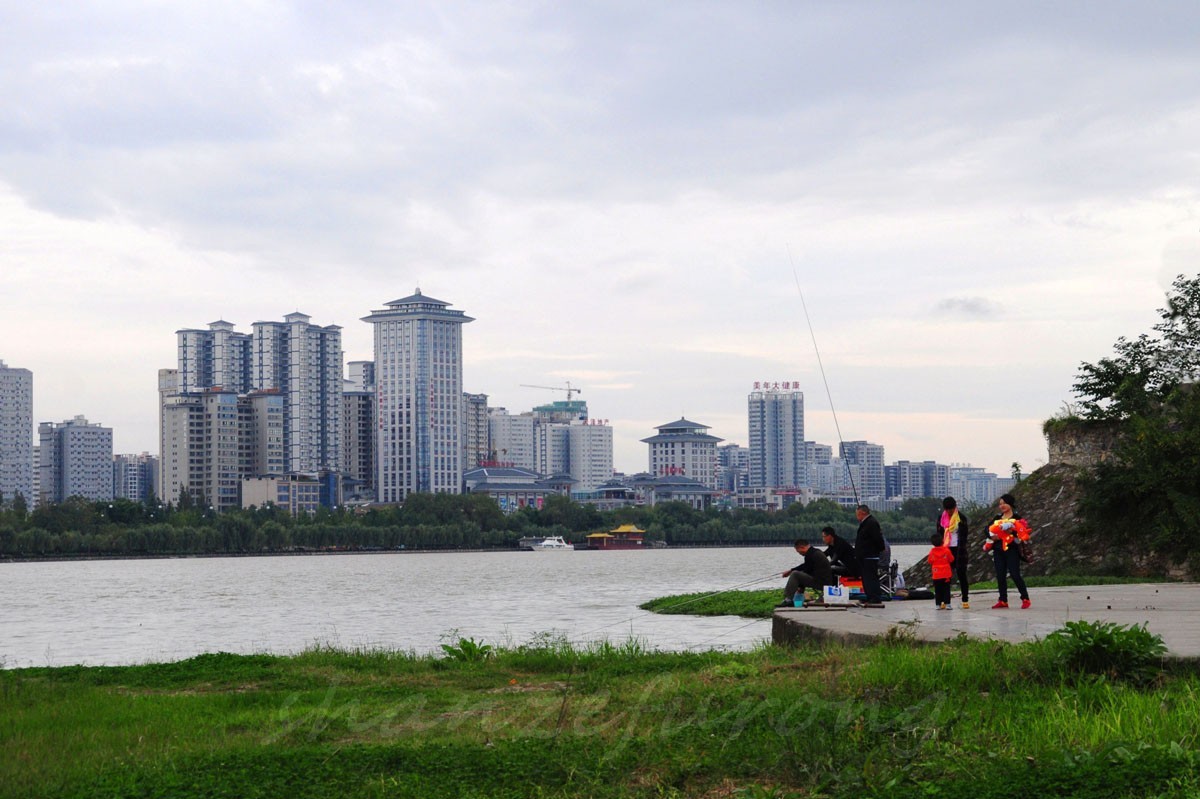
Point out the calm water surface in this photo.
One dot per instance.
(116, 612)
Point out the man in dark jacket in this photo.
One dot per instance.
(814, 572)
(840, 553)
(868, 546)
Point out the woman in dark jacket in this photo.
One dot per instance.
(1003, 535)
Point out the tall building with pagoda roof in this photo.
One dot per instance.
(418, 383)
(684, 448)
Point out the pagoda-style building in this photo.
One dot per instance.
(627, 536)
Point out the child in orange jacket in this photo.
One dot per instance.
(940, 558)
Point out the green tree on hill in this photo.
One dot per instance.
(1144, 371)
(1152, 484)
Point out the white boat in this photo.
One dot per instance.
(552, 543)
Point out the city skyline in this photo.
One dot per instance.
(973, 201)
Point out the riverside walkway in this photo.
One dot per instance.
(1171, 610)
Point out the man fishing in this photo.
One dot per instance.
(868, 547)
(814, 572)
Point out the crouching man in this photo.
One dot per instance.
(814, 572)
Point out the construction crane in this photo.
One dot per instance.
(569, 389)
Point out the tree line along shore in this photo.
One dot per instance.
(123, 528)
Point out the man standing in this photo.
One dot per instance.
(814, 572)
(868, 546)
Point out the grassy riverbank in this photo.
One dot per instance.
(761, 603)
(549, 720)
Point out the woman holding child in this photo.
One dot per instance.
(1003, 536)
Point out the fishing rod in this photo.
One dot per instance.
(824, 379)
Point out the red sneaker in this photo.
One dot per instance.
(1025, 603)
(1000, 606)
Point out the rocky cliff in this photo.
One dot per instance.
(1049, 500)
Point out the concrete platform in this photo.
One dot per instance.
(1171, 610)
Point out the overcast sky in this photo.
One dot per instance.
(973, 199)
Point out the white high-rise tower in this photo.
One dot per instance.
(299, 360)
(418, 382)
(303, 362)
(16, 434)
(777, 451)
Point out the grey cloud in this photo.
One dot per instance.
(287, 131)
(973, 307)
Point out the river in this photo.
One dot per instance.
(121, 612)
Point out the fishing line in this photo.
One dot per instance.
(727, 632)
(825, 380)
(774, 575)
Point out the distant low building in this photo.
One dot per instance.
(296, 493)
(514, 488)
(673, 488)
(771, 499)
(610, 496)
(976, 485)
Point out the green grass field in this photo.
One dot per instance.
(610, 720)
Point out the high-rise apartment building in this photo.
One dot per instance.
(684, 448)
(817, 453)
(218, 356)
(358, 431)
(16, 434)
(562, 411)
(76, 460)
(211, 440)
(512, 439)
(476, 444)
(37, 477)
(552, 448)
(777, 448)
(135, 477)
(554, 439)
(837, 480)
(589, 453)
(733, 468)
(362, 376)
(976, 485)
(906, 480)
(418, 379)
(301, 361)
(580, 449)
(869, 457)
